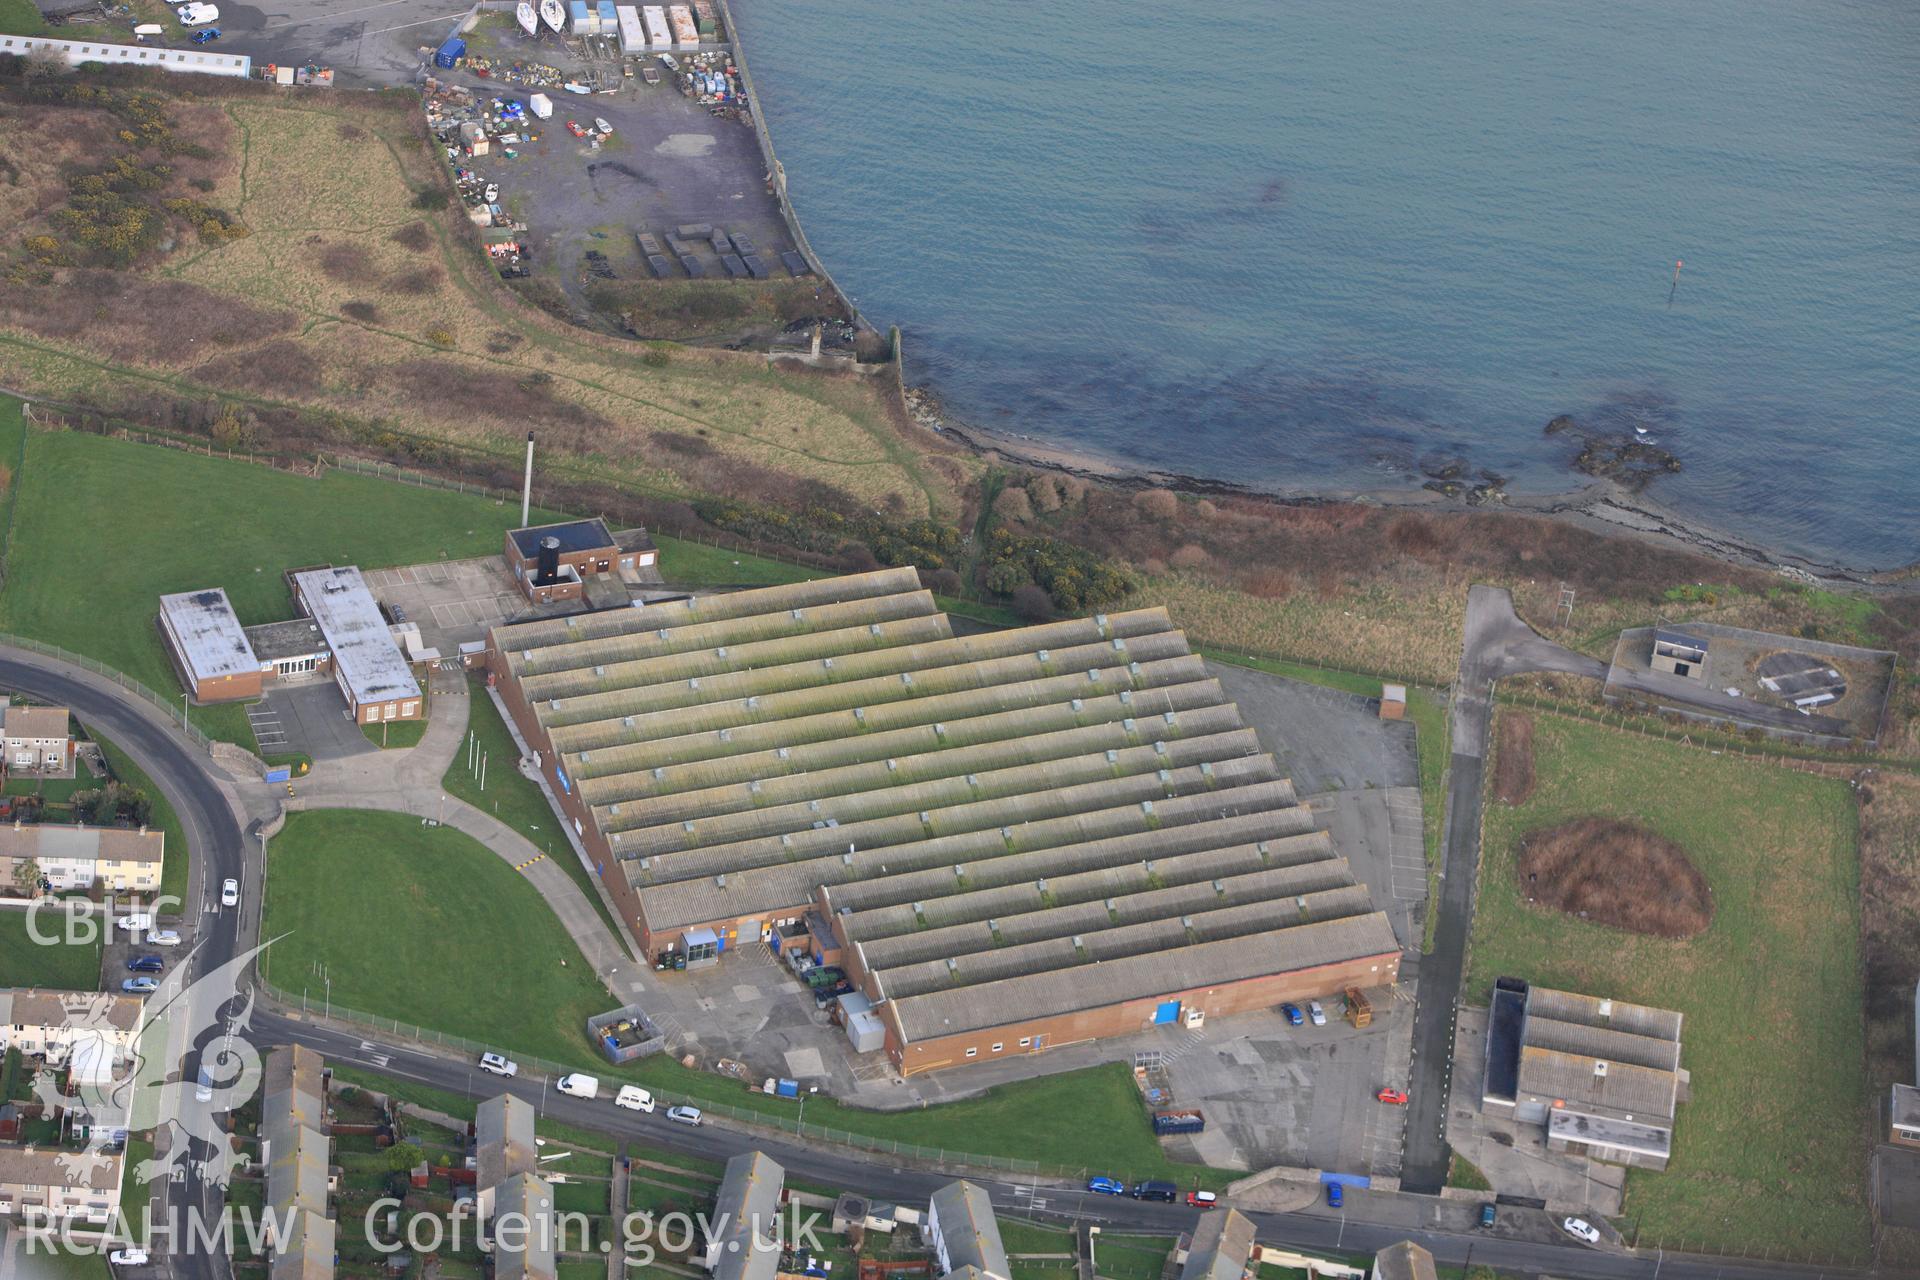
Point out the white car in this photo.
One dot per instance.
(685, 1115)
(1581, 1229)
(1316, 1013)
(229, 893)
(633, 1098)
(498, 1065)
(163, 938)
(135, 923)
(128, 1257)
(197, 15)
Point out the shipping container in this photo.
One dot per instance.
(685, 34)
(449, 53)
(607, 17)
(633, 32)
(658, 35)
(541, 105)
(584, 19)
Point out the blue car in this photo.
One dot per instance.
(1335, 1197)
(1106, 1186)
(140, 986)
(1292, 1012)
(146, 964)
(206, 36)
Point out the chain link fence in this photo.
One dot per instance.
(325, 1012)
(168, 707)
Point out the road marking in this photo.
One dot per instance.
(530, 861)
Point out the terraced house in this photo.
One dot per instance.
(1013, 841)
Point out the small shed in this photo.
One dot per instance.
(1393, 702)
(473, 136)
(1679, 653)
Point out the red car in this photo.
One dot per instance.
(1395, 1096)
(1202, 1199)
(576, 130)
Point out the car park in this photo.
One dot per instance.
(1291, 1012)
(229, 888)
(141, 986)
(685, 1115)
(146, 964)
(499, 1064)
(1316, 1013)
(163, 938)
(1397, 1097)
(1105, 1186)
(1202, 1199)
(1488, 1214)
(1581, 1229)
(1335, 1196)
(633, 1098)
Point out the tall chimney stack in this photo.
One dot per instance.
(526, 486)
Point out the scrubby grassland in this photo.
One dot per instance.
(102, 528)
(1769, 1151)
(343, 292)
(389, 911)
(1890, 934)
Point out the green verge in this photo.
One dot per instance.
(401, 917)
(685, 563)
(69, 966)
(179, 855)
(1767, 1152)
(514, 798)
(235, 525)
(21, 18)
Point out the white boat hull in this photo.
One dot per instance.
(529, 20)
(554, 13)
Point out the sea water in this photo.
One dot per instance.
(1309, 246)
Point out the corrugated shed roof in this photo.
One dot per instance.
(1086, 986)
(1598, 1011)
(1623, 1089)
(1603, 1042)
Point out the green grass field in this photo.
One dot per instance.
(102, 528)
(24, 963)
(21, 18)
(1768, 1153)
(684, 563)
(425, 925)
(512, 797)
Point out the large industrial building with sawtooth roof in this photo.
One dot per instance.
(1012, 841)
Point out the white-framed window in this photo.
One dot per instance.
(1026, 1041)
(973, 1053)
(998, 1047)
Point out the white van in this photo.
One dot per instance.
(197, 15)
(137, 923)
(633, 1098)
(578, 1086)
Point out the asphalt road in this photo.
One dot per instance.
(221, 849)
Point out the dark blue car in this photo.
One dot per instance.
(145, 964)
(206, 36)
(1335, 1197)
(1292, 1012)
(1106, 1186)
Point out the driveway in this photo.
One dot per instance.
(311, 718)
(1497, 644)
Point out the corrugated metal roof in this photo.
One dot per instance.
(1549, 1076)
(1070, 990)
(1598, 1011)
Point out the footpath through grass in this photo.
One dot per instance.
(427, 926)
(1768, 1153)
(103, 527)
(511, 796)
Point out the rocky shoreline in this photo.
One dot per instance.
(1611, 502)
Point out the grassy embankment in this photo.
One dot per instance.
(386, 908)
(1767, 1154)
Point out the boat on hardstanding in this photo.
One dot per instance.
(554, 14)
(529, 20)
